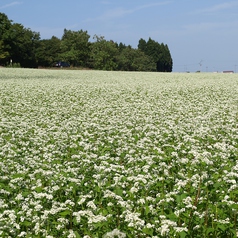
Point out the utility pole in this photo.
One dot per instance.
(200, 63)
(185, 68)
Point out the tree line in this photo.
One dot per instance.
(24, 47)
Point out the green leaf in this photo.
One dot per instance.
(65, 213)
(119, 191)
(26, 223)
(180, 197)
(210, 230)
(182, 234)
(172, 216)
(104, 212)
(147, 210)
(18, 176)
(234, 206)
(38, 189)
(222, 227)
(77, 234)
(148, 231)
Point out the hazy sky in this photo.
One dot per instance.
(201, 34)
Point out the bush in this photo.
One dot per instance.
(14, 65)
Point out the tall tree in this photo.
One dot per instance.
(159, 53)
(121, 47)
(103, 54)
(164, 63)
(75, 47)
(24, 46)
(48, 51)
(134, 60)
(142, 45)
(23, 43)
(5, 25)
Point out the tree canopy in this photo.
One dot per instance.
(25, 47)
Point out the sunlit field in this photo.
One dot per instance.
(118, 154)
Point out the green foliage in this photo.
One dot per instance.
(13, 65)
(131, 59)
(5, 25)
(23, 43)
(48, 51)
(24, 47)
(159, 53)
(75, 47)
(117, 154)
(17, 43)
(103, 54)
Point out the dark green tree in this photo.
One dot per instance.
(75, 47)
(48, 51)
(164, 63)
(159, 53)
(121, 47)
(23, 43)
(142, 45)
(103, 54)
(143, 62)
(5, 25)
(134, 60)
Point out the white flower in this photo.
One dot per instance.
(19, 197)
(71, 234)
(164, 229)
(141, 201)
(180, 229)
(149, 225)
(114, 141)
(69, 202)
(38, 207)
(114, 233)
(91, 204)
(23, 234)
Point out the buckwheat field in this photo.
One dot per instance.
(118, 154)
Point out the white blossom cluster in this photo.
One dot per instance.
(118, 154)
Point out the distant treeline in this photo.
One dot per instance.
(23, 47)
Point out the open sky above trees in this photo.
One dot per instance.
(201, 35)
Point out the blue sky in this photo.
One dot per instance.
(201, 34)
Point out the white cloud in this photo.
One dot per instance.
(219, 7)
(10, 5)
(120, 12)
(205, 26)
(202, 26)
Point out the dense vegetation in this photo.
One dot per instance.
(89, 154)
(25, 48)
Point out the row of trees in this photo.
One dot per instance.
(24, 46)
